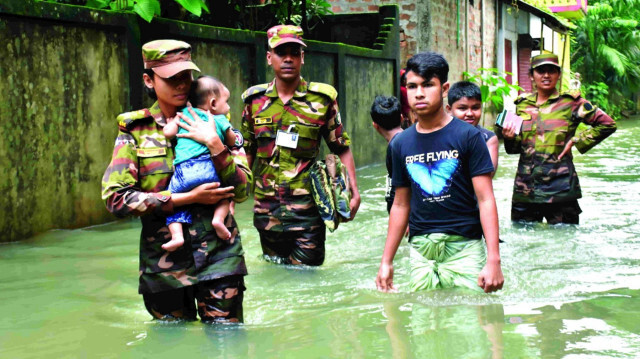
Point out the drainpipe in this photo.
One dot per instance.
(482, 3)
(466, 35)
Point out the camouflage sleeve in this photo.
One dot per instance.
(513, 146)
(120, 186)
(246, 129)
(334, 134)
(602, 125)
(233, 169)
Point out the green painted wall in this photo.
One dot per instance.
(67, 72)
(367, 78)
(61, 87)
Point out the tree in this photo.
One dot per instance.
(606, 46)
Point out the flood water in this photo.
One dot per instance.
(570, 291)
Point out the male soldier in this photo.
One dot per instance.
(546, 183)
(282, 123)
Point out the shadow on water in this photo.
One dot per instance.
(570, 291)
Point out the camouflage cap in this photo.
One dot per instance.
(167, 57)
(545, 59)
(282, 34)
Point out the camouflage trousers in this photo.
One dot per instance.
(294, 247)
(555, 213)
(219, 301)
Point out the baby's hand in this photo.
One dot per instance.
(171, 128)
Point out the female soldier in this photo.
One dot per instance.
(205, 269)
(546, 183)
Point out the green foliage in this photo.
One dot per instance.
(493, 86)
(598, 93)
(146, 9)
(606, 51)
(294, 11)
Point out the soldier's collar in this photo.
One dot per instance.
(157, 115)
(301, 90)
(553, 97)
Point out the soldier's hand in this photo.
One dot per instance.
(201, 131)
(354, 204)
(384, 280)
(211, 193)
(509, 131)
(567, 149)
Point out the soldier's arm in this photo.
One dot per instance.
(512, 142)
(338, 142)
(233, 169)
(602, 125)
(248, 134)
(120, 189)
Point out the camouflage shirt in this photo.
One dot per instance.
(135, 183)
(283, 200)
(541, 177)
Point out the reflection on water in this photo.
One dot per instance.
(570, 291)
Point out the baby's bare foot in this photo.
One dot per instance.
(221, 230)
(173, 244)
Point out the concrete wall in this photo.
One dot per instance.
(455, 28)
(62, 87)
(69, 71)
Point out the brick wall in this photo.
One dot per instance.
(431, 25)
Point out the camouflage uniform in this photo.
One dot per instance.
(135, 183)
(283, 200)
(541, 177)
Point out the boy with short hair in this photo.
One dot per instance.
(386, 113)
(440, 166)
(465, 103)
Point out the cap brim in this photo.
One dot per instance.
(289, 40)
(172, 69)
(546, 63)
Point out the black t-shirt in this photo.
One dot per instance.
(390, 191)
(438, 167)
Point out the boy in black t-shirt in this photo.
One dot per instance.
(440, 166)
(386, 113)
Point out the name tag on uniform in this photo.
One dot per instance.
(151, 152)
(263, 120)
(287, 138)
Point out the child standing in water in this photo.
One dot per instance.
(193, 165)
(465, 103)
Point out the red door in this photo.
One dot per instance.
(507, 60)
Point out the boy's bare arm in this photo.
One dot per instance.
(398, 219)
(490, 278)
(229, 138)
(492, 145)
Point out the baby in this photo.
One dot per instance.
(192, 164)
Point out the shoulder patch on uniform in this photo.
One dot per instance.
(586, 109)
(127, 118)
(254, 90)
(521, 98)
(574, 94)
(239, 139)
(324, 89)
